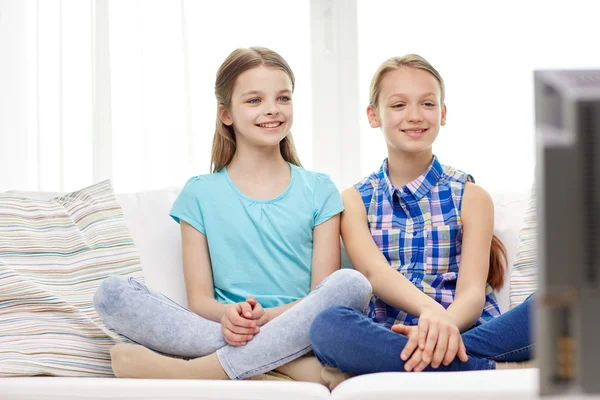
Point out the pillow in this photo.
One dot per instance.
(523, 278)
(53, 255)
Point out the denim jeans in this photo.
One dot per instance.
(144, 316)
(348, 340)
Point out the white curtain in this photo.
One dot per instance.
(486, 52)
(124, 89)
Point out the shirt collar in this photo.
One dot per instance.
(418, 188)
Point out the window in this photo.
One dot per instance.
(163, 66)
(486, 53)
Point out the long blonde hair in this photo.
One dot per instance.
(239, 61)
(498, 257)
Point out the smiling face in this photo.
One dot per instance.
(260, 111)
(409, 110)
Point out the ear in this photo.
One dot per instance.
(225, 115)
(373, 119)
(443, 115)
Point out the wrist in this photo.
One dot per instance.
(429, 307)
(452, 316)
(269, 314)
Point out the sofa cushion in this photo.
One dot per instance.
(470, 385)
(53, 255)
(524, 271)
(157, 389)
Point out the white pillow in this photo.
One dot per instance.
(523, 279)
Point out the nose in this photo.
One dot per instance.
(271, 109)
(414, 114)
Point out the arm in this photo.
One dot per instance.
(478, 225)
(389, 285)
(197, 272)
(326, 258)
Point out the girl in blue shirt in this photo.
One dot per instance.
(260, 240)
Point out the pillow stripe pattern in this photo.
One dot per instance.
(523, 278)
(53, 255)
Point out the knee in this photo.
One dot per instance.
(109, 295)
(327, 326)
(354, 284)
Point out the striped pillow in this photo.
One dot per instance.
(53, 255)
(523, 278)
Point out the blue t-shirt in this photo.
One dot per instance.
(260, 248)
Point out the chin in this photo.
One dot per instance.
(412, 148)
(268, 143)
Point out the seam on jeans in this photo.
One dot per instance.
(520, 350)
(274, 364)
(138, 286)
(229, 370)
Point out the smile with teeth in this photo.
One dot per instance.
(270, 125)
(415, 131)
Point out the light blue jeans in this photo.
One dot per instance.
(149, 318)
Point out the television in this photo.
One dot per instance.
(567, 317)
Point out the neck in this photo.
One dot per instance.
(406, 167)
(257, 163)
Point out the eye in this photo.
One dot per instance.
(398, 105)
(254, 100)
(429, 104)
(285, 99)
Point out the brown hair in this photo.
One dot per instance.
(498, 257)
(239, 61)
(498, 264)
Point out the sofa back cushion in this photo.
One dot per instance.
(509, 210)
(158, 240)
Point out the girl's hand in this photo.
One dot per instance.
(259, 316)
(437, 340)
(416, 356)
(237, 325)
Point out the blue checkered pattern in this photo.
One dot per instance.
(419, 231)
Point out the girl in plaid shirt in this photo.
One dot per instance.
(435, 308)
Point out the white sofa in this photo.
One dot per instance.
(157, 238)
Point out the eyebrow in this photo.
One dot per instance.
(403, 94)
(254, 92)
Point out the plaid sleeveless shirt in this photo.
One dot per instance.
(419, 231)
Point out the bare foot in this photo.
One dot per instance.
(135, 361)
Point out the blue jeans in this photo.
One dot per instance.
(350, 341)
(144, 316)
